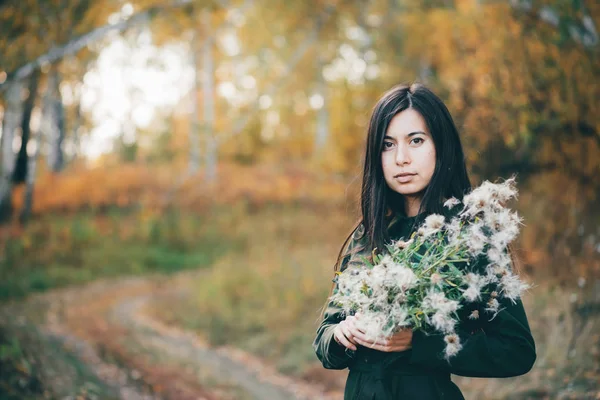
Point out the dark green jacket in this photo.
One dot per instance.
(503, 347)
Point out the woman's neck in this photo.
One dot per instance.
(412, 205)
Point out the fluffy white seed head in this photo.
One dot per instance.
(475, 239)
(433, 224)
(472, 294)
(443, 322)
(437, 301)
(512, 287)
(451, 202)
(453, 345)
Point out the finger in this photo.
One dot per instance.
(371, 345)
(343, 341)
(347, 333)
(379, 346)
(403, 333)
(350, 320)
(354, 326)
(354, 331)
(362, 336)
(366, 339)
(401, 337)
(355, 318)
(350, 323)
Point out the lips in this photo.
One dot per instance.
(404, 177)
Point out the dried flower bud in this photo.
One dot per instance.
(493, 305)
(474, 314)
(494, 294)
(435, 278)
(401, 244)
(451, 339)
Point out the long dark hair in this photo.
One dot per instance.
(450, 177)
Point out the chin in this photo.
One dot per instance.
(409, 193)
(406, 190)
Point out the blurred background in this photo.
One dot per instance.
(177, 177)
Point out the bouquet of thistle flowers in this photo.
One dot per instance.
(421, 283)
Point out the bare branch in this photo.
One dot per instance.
(57, 53)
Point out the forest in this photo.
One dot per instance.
(177, 178)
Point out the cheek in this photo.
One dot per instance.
(430, 160)
(386, 162)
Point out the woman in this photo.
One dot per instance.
(414, 161)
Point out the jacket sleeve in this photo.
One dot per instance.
(332, 354)
(503, 347)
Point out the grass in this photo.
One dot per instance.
(33, 366)
(57, 251)
(265, 297)
(270, 272)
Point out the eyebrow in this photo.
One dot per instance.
(409, 135)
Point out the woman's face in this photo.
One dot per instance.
(408, 156)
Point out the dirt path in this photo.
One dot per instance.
(104, 324)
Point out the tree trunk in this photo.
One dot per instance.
(194, 161)
(75, 134)
(30, 180)
(12, 119)
(209, 103)
(54, 121)
(322, 131)
(20, 169)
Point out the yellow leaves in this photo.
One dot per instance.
(138, 184)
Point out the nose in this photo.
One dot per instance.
(402, 155)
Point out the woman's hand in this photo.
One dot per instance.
(399, 341)
(342, 334)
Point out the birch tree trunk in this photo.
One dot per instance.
(322, 129)
(12, 118)
(30, 179)
(194, 161)
(209, 102)
(75, 134)
(55, 121)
